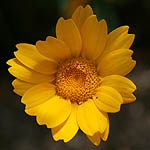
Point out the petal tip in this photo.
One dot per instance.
(89, 7)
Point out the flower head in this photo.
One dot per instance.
(74, 80)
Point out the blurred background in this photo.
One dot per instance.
(26, 21)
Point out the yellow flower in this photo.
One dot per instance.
(74, 80)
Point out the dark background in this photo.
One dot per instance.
(26, 21)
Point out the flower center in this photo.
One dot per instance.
(77, 80)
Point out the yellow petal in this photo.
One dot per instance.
(67, 31)
(26, 74)
(20, 87)
(54, 112)
(123, 85)
(119, 39)
(104, 136)
(54, 49)
(32, 111)
(117, 32)
(95, 139)
(19, 92)
(117, 62)
(51, 113)
(108, 99)
(128, 98)
(81, 14)
(90, 119)
(68, 129)
(28, 55)
(38, 94)
(94, 36)
(72, 5)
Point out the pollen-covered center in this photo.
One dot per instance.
(77, 80)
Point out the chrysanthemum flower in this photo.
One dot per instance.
(74, 80)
